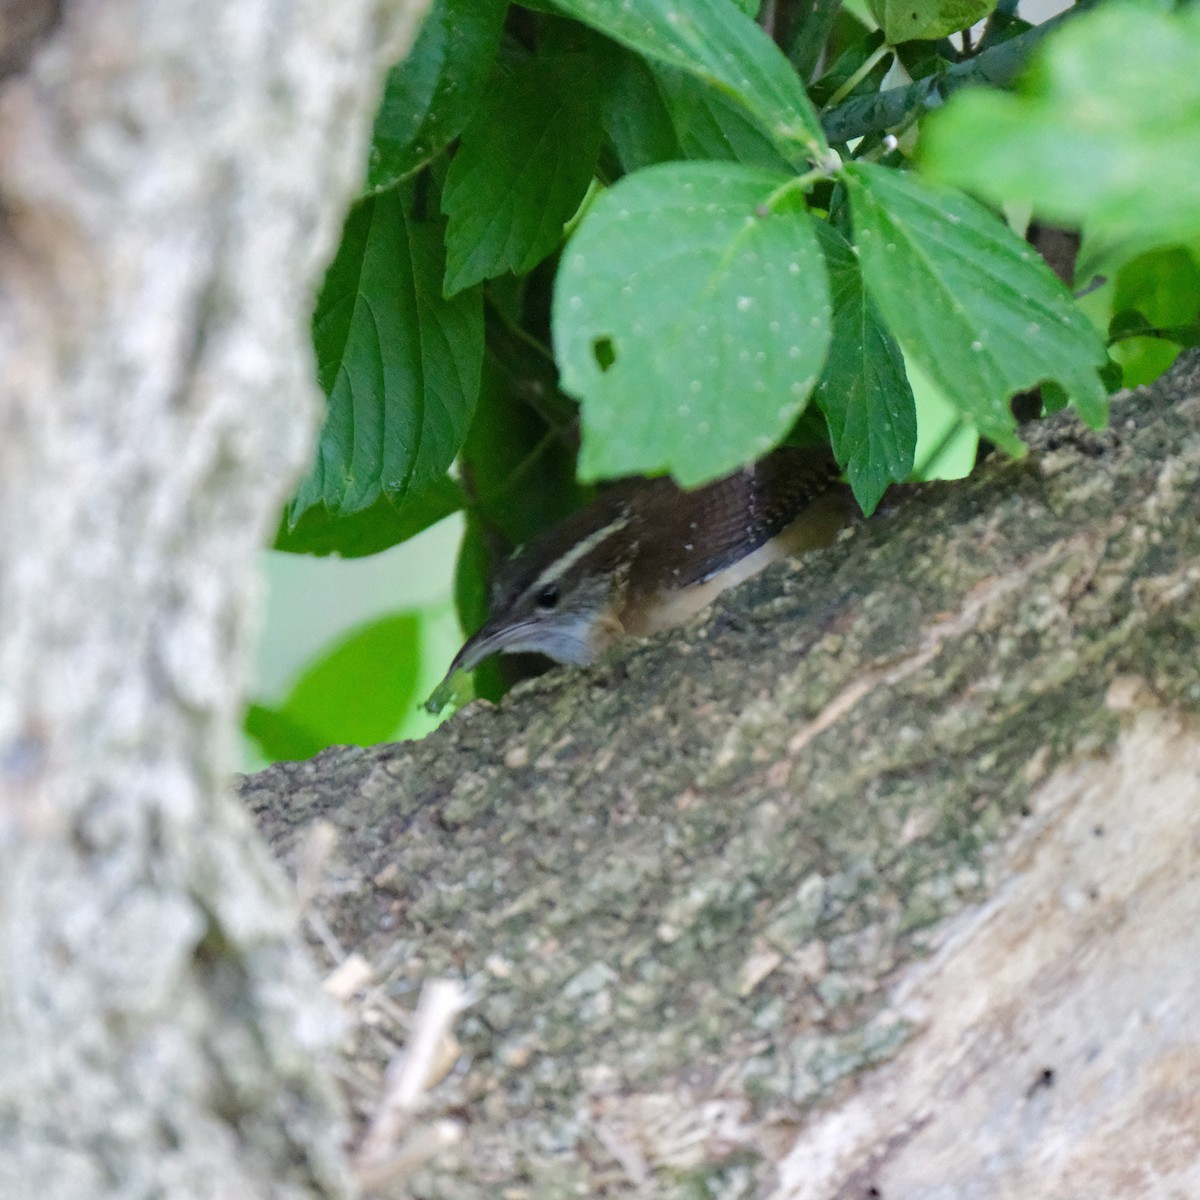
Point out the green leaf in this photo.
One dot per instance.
(847, 64)
(814, 27)
(1105, 131)
(362, 688)
(864, 390)
(713, 40)
(710, 126)
(373, 529)
(969, 301)
(279, 737)
(428, 97)
(354, 694)
(1157, 308)
(691, 322)
(399, 363)
(635, 115)
(927, 61)
(655, 113)
(522, 168)
(522, 474)
(909, 20)
(357, 693)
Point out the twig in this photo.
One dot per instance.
(319, 841)
(423, 1145)
(409, 1075)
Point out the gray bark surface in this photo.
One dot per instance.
(172, 179)
(880, 880)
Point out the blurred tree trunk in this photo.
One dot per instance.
(173, 175)
(881, 881)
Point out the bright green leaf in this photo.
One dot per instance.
(356, 693)
(969, 301)
(712, 39)
(399, 364)
(1105, 131)
(522, 168)
(864, 391)
(279, 736)
(1161, 291)
(370, 530)
(428, 97)
(690, 322)
(910, 20)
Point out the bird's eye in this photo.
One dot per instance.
(547, 597)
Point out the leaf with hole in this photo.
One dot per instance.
(690, 320)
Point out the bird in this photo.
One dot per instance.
(647, 554)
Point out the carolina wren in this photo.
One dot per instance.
(646, 555)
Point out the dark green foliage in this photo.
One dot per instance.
(399, 363)
(429, 97)
(864, 391)
(646, 195)
(523, 166)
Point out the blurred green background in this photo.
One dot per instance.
(350, 647)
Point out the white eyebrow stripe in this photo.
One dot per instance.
(561, 565)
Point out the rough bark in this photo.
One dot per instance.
(878, 881)
(172, 178)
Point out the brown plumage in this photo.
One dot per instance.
(646, 555)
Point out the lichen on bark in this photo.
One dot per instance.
(687, 886)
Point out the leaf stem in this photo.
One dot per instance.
(801, 183)
(863, 71)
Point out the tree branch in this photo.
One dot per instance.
(875, 878)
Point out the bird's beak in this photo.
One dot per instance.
(491, 638)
